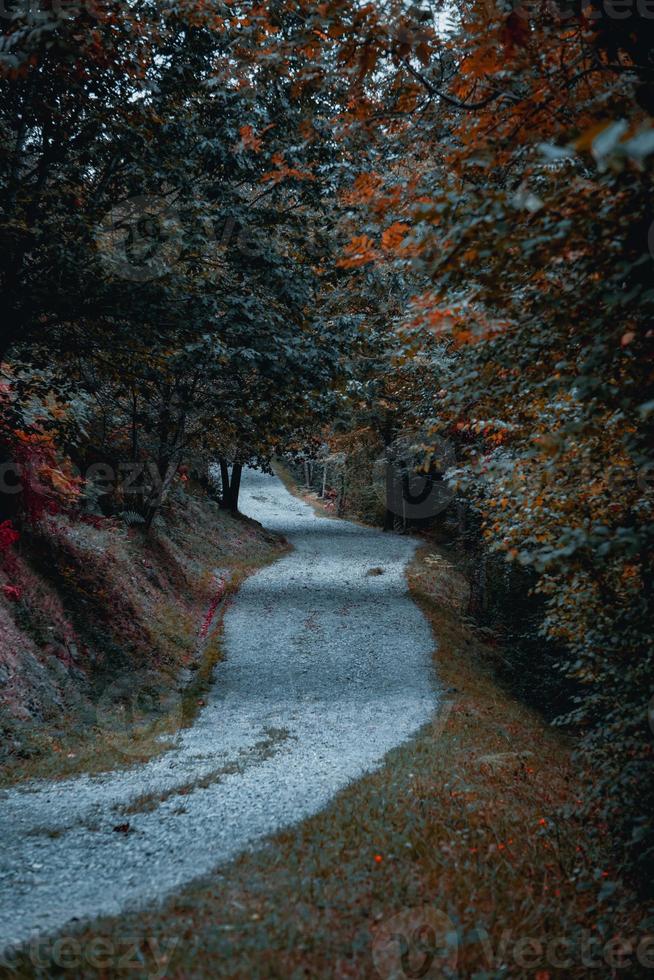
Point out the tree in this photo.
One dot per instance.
(155, 213)
(529, 208)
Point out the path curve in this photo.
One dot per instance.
(327, 668)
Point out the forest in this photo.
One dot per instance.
(401, 255)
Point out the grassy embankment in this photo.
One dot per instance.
(112, 645)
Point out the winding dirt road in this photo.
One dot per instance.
(327, 668)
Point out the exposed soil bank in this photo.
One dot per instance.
(105, 610)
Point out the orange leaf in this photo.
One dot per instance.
(424, 54)
(394, 235)
(249, 139)
(359, 251)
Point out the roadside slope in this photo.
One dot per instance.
(102, 610)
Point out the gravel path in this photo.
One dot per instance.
(326, 669)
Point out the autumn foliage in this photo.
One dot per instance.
(514, 152)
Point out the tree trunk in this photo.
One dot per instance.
(478, 597)
(169, 459)
(340, 504)
(235, 487)
(135, 431)
(225, 496)
(389, 475)
(230, 486)
(153, 507)
(389, 513)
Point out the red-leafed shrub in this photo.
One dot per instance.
(13, 592)
(48, 484)
(8, 536)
